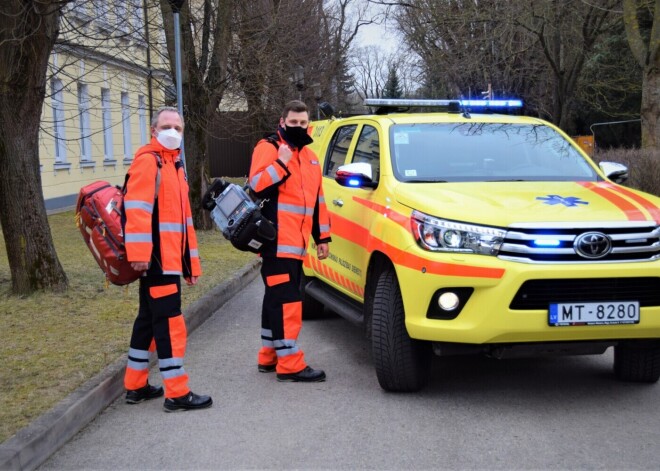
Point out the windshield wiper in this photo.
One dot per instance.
(426, 180)
(510, 180)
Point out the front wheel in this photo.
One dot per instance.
(402, 364)
(637, 362)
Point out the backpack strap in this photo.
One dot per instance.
(273, 139)
(159, 163)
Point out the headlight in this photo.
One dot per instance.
(452, 236)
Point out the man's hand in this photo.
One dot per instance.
(140, 266)
(322, 251)
(191, 280)
(284, 153)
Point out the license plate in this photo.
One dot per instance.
(617, 312)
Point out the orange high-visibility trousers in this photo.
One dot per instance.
(159, 324)
(281, 315)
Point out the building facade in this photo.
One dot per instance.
(107, 73)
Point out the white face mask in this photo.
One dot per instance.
(169, 138)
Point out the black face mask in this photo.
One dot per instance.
(296, 136)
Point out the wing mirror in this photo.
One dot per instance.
(616, 172)
(355, 175)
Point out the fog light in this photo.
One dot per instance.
(448, 301)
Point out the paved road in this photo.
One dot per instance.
(562, 413)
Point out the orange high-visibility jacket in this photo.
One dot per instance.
(295, 202)
(162, 233)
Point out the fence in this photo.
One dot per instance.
(230, 145)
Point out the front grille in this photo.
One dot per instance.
(556, 243)
(538, 294)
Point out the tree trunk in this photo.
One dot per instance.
(646, 50)
(196, 154)
(27, 35)
(650, 110)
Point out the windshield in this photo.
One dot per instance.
(468, 152)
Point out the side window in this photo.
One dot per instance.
(368, 150)
(338, 149)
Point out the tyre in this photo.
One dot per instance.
(402, 364)
(311, 308)
(638, 363)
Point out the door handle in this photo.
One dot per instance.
(338, 202)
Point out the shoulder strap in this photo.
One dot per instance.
(273, 139)
(159, 164)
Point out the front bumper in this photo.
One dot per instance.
(488, 316)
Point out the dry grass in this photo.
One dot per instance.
(52, 343)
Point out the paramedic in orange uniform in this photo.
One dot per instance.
(288, 177)
(161, 243)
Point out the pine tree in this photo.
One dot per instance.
(392, 88)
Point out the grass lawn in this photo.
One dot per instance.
(52, 343)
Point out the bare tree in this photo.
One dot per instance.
(28, 31)
(642, 22)
(205, 44)
(566, 33)
(370, 66)
(536, 50)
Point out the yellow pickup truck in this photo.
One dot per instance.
(459, 230)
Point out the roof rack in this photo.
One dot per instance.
(389, 105)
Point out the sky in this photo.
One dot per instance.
(378, 35)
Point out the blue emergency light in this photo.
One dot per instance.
(492, 103)
(405, 102)
(547, 243)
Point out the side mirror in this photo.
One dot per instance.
(356, 175)
(616, 172)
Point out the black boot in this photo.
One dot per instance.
(308, 375)
(188, 402)
(135, 396)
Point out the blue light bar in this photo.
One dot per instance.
(405, 102)
(354, 182)
(493, 103)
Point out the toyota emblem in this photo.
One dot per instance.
(592, 245)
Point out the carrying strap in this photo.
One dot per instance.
(159, 163)
(273, 139)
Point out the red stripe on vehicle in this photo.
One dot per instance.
(352, 232)
(399, 218)
(406, 259)
(631, 211)
(653, 210)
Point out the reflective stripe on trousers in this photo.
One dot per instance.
(281, 315)
(160, 325)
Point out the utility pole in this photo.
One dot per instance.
(176, 9)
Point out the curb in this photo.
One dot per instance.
(34, 444)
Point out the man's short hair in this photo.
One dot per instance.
(296, 106)
(154, 120)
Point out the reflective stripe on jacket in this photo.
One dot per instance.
(162, 234)
(295, 202)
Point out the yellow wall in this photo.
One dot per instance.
(112, 56)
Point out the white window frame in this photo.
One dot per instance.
(78, 7)
(83, 121)
(101, 8)
(142, 117)
(126, 125)
(138, 23)
(121, 16)
(106, 121)
(58, 120)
